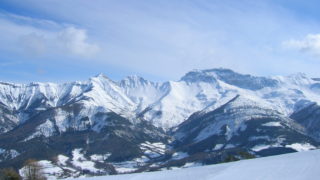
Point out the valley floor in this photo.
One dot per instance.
(293, 166)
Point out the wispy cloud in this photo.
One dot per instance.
(75, 41)
(71, 40)
(309, 44)
(39, 37)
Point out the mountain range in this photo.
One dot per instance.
(101, 126)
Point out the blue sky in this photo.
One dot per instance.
(69, 40)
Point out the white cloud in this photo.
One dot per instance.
(36, 37)
(309, 44)
(70, 40)
(75, 41)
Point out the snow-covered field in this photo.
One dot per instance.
(294, 166)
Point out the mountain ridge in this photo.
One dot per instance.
(139, 125)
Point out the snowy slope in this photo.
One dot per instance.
(142, 92)
(99, 94)
(201, 89)
(97, 91)
(293, 166)
(242, 123)
(232, 116)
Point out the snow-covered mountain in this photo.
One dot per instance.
(241, 123)
(164, 104)
(204, 116)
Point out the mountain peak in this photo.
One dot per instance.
(219, 70)
(228, 76)
(299, 79)
(134, 78)
(100, 75)
(212, 71)
(134, 81)
(199, 75)
(299, 75)
(209, 74)
(101, 78)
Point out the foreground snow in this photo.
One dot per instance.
(294, 166)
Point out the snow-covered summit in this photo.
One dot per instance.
(134, 81)
(230, 77)
(165, 104)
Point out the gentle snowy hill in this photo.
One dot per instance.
(293, 166)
